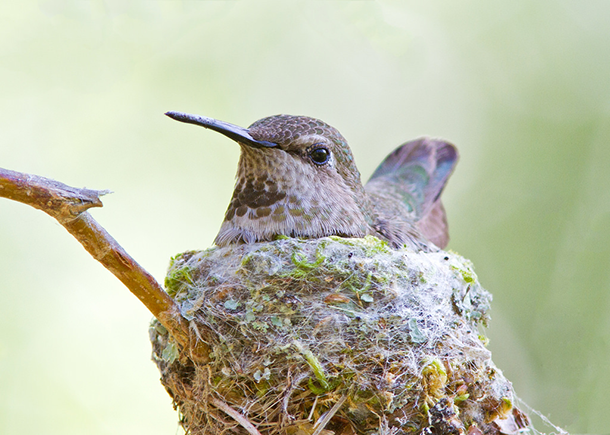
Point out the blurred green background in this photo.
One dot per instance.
(522, 87)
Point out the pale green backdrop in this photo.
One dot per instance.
(522, 87)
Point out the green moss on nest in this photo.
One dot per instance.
(347, 334)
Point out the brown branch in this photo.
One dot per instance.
(69, 206)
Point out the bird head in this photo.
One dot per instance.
(296, 177)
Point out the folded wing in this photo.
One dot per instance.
(405, 191)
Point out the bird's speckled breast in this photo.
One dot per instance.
(274, 196)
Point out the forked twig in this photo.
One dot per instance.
(325, 419)
(69, 206)
(243, 421)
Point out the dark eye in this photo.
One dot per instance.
(319, 155)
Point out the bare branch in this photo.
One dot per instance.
(69, 206)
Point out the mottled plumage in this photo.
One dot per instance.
(297, 177)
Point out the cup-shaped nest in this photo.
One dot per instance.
(332, 336)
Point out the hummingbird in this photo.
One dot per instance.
(297, 177)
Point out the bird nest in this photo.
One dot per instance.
(333, 337)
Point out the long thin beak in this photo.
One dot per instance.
(234, 132)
